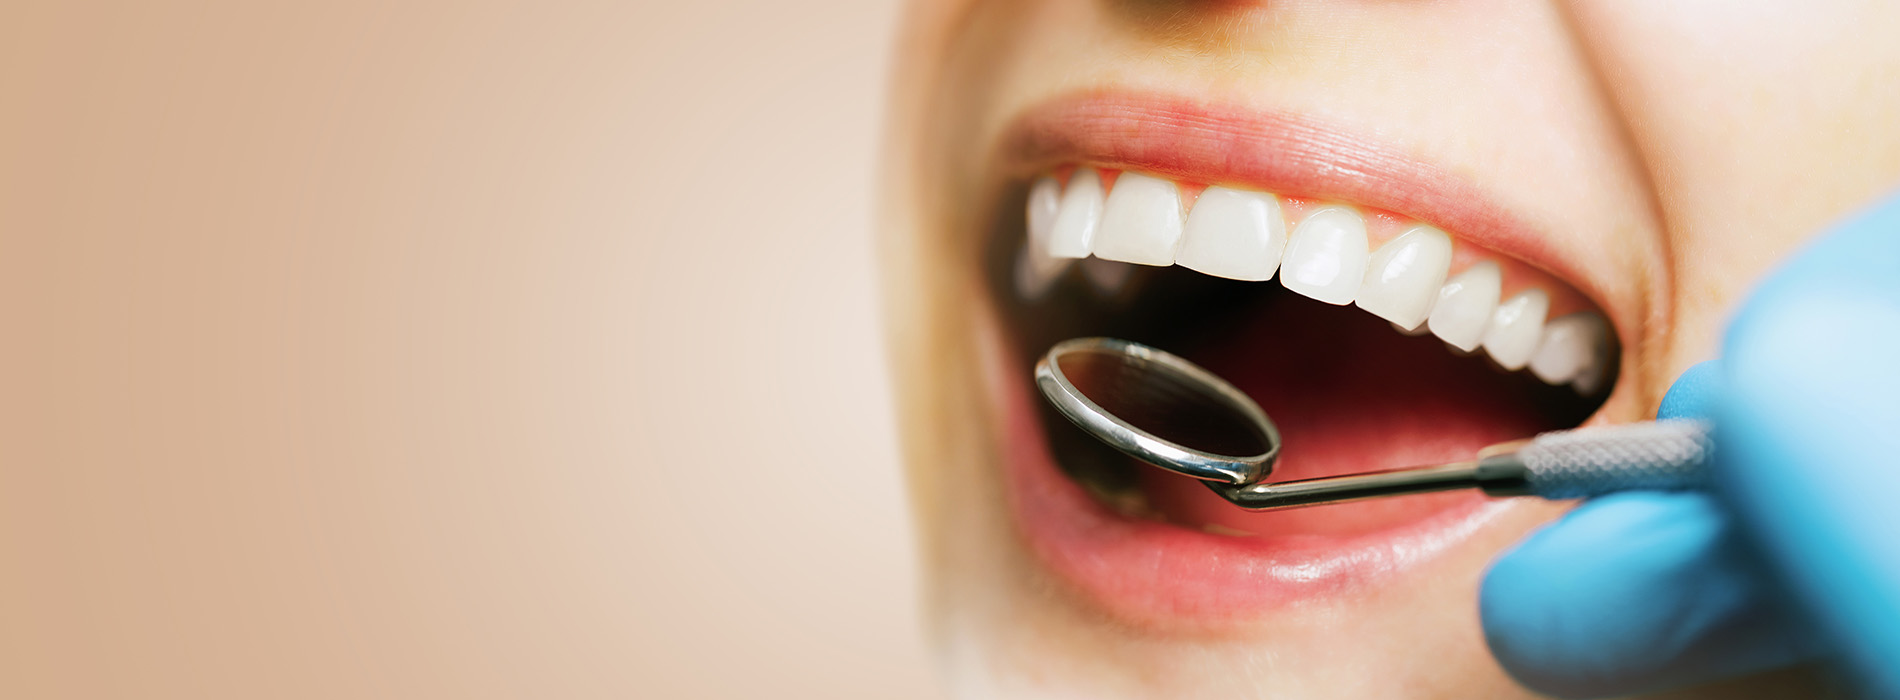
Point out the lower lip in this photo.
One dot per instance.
(1157, 573)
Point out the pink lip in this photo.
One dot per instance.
(1285, 153)
(1155, 573)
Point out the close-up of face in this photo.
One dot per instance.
(1408, 230)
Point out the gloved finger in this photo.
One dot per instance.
(1810, 435)
(1638, 592)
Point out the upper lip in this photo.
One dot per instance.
(1288, 154)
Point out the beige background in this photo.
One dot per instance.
(469, 349)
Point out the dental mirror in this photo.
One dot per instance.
(1160, 409)
(1168, 412)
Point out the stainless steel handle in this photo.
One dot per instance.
(1662, 456)
(1670, 455)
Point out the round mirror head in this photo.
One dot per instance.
(1160, 409)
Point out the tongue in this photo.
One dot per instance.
(1350, 394)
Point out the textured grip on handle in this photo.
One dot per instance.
(1666, 455)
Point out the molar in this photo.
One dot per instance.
(1516, 327)
(1078, 217)
(1404, 276)
(1234, 234)
(1464, 306)
(1141, 223)
(1571, 346)
(1591, 380)
(1326, 256)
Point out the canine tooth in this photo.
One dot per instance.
(1403, 277)
(1571, 344)
(1464, 306)
(1108, 278)
(1234, 234)
(1078, 217)
(1516, 327)
(1326, 256)
(1141, 223)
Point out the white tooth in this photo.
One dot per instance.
(1077, 218)
(1234, 234)
(1045, 199)
(1326, 256)
(1108, 278)
(1036, 271)
(1571, 344)
(1591, 380)
(1403, 277)
(1464, 306)
(1516, 327)
(1141, 223)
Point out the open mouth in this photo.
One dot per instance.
(1375, 339)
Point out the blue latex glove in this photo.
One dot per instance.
(1796, 553)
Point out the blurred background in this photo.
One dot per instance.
(408, 349)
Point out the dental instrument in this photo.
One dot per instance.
(1170, 413)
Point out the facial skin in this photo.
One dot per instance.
(1661, 156)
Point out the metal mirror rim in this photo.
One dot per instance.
(1141, 444)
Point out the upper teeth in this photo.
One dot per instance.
(1463, 309)
(1233, 233)
(1403, 277)
(1072, 233)
(1240, 234)
(1141, 223)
